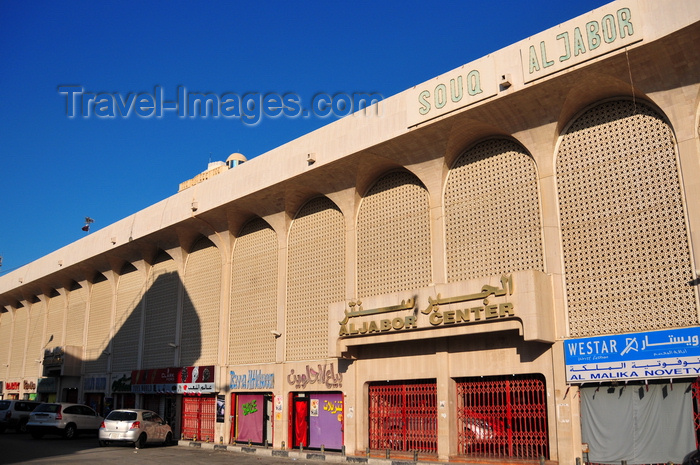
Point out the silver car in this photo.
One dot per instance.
(134, 425)
(64, 419)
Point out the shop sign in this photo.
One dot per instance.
(12, 385)
(174, 380)
(255, 379)
(29, 386)
(121, 383)
(46, 385)
(592, 35)
(672, 353)
(95, 384)
(435, 313)
(54, 357)
(324, 376)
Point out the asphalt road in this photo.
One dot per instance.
(23, 449)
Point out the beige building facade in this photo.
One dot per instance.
(458, 271)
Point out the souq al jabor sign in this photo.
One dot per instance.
(672, 353)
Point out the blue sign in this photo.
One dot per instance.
(671, 353)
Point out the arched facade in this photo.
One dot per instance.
(465, 277)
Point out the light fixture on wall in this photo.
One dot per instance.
(275, 333)
(173, 345)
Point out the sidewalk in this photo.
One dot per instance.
(337, 457)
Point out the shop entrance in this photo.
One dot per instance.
(199, 418)
(251, 421)
(317, 420)
(502, 416)
(403, 416)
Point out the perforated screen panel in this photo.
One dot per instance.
(55, 319)
(75, 321)
(315, 277)
(492, 212)
(127, 321)
(200, 307)
(19, 342)
(253, 279)
(161, 315)
(625, 244)
(99, 324)
(393, 236)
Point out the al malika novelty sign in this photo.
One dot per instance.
(671, 353)
(438, 312)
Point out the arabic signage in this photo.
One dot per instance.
(671, 353)
(592, 35)
(174, 380)
(325, 375)
(438, 312)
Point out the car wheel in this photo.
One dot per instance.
(69, 432)
(168, 439)
(37, 435)
(140, 442)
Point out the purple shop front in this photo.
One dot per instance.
(326, 420)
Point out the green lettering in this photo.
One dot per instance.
(567, 47)
(474, 82)
(579, 45)
(534, 62)
(440, 95)
(609, 31)
(623, 20)
(423, 100)
(456, 91)
(543, 49)
(593, 36)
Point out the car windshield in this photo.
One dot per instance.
(51, 408)
(121, 416)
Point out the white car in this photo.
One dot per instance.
(67, 420)
(137, 426)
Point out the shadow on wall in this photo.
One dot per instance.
(150, 326)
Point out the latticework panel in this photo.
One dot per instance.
(5, 341)
(35, 340)
(625, 244)
(55, 319)
(75, 320)
(161, 316)
(393, 236)
(315, 277)
(127, 321)
(492, 213)
(99, 327)
(253, 279)
(201, 306)
(19, 342)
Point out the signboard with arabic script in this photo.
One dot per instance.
(672, 353)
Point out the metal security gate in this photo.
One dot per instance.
(403, 416)
(503, 416)
(198, 418)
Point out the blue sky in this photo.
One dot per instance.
(57, 170)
